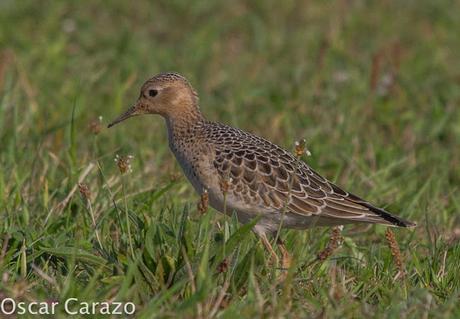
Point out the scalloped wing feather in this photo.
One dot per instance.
(262, 173)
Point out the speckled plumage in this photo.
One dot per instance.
(262, 178)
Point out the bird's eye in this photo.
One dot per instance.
(153, 93)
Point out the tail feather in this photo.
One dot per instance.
(389, 218)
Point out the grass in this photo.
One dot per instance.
(374, 87)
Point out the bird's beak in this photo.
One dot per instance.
(132, 111)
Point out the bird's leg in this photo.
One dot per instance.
(286, 257)
(274, 258)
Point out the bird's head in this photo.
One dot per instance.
(167, 94)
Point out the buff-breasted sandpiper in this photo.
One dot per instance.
(262, 178)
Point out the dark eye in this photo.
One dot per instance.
(153, 93)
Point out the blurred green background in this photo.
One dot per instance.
(374, 87)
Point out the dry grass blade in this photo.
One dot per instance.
(60, 207)
(46, 277)
(220, 298)
(86, 194)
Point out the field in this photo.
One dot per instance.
(373, 87)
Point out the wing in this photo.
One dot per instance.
(259, 172)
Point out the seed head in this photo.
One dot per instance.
(395, 251)
(124, 163)
(223, 266)
(225, 184)
(333, 244)
(95, 126)
(204, 202)
(301, 148)
(84, 190)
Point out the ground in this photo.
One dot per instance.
(373, 87)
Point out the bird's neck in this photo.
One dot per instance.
(183, 125)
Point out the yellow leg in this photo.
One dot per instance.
(286, 257)
(274, 258)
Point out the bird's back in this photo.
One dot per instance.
(269, 179)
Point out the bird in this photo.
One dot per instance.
(247, 175)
